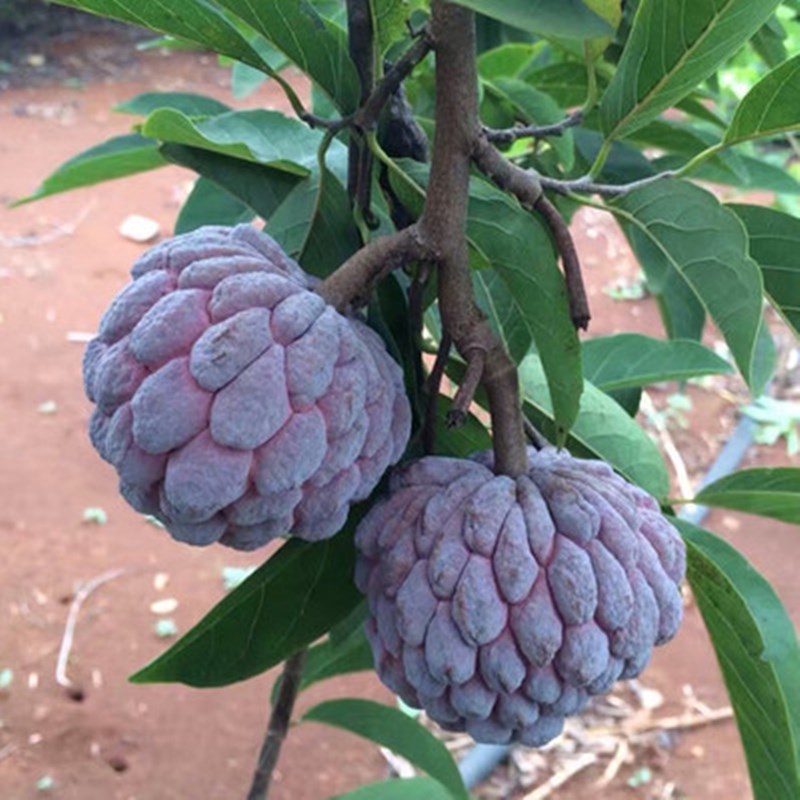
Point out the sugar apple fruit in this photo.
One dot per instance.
(235, 404)
(500, 605)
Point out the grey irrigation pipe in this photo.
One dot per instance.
(481, 760)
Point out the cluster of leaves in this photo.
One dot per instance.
(645, 75)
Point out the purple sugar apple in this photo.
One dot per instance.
(500, 605)
(235, 404)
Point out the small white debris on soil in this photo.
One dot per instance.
(160, 581)
(139, 229)
(165, 606)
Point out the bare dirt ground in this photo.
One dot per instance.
(61, 261)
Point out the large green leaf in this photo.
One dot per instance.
(602, 430)
(758, 653)
(208, 204)
(116, 158)
(188, 103)
(673, 46)
(689, 232)
(771, 492)
(260, 188)
(569, 18)
(394, 729)
(771, 107)
(774, 246)
(630, 359)
(396, 789)
(264, 137)
(286, 604)
(314, 224)
(198, 21)
(314, 44)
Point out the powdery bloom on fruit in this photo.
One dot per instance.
(500, 605)
(235, 404)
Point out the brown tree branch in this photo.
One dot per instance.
(522, 183)
(526, 186)
(367, 116)
(443, 226)
(576, 292)
(476, 364)
(353, 281)
(278, 725)
(361, 43)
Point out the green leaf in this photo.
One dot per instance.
(116, 158)
(208, 204)
(390, 20)
(314, 224)
(630, 359)
(569, 18)
(263, 137)
(771, 492)
(774, 246)
(673, 46)
(687, 231)
(771, 107)
(198, 21)
(757, 649)
(261, 189)
(461, 441)
(508, 60)
(602, 430)
(328, 659)
(394, 729)
(188, 103)
(397, 789)
(288, 603)
(566, 83)
(315, 45)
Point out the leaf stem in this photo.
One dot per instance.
(700, 159)
(278, 725)
(600, 159)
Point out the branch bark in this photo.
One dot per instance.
(444, 221)
(278, 726)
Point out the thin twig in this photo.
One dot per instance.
(576, 292)
(278, 725)
(368, 114)
(432, 389)
(510, 135)
(668, 444)
(560, 778)
(476, 362)
(622, 752)
(81, 595)
(537, 440)
(586, 185)
(60, 230)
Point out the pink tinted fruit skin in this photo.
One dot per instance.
(501, 605)
(235, 404)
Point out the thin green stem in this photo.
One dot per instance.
(700, 159)
(600, 159)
